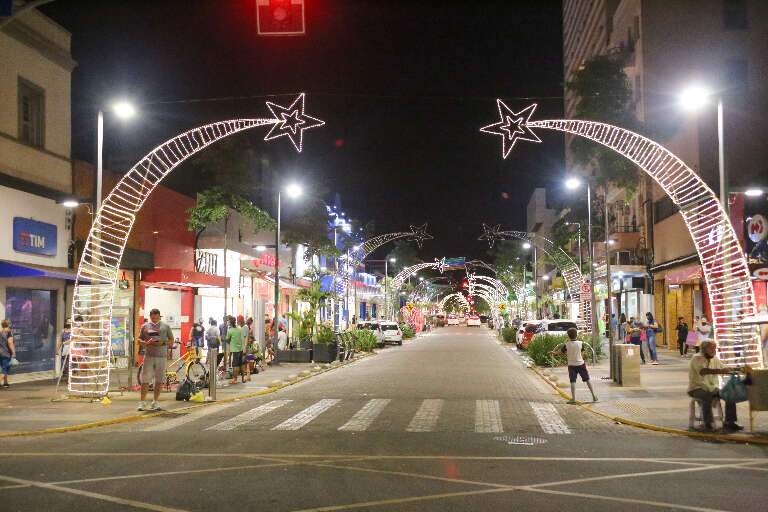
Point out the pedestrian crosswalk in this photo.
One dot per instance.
(377, 414)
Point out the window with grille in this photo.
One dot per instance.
(31, 113)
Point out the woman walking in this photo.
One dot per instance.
(651, 328)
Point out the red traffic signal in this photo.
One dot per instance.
(280, 17)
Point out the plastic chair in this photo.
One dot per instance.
(696, 418)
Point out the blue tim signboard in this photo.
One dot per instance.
(34, 237)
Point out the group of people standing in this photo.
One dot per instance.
(693, 338)
(635, 331)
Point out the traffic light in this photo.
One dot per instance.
(280, 17)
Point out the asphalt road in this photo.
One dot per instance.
(452, 421)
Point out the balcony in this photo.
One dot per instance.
(625, 238)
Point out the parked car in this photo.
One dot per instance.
(473, 321)
(484, 319)
(453, 320)
(542, 327)
(389, 332)
(372, 325)
(525, 332)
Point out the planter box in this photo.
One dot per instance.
(324, 352)
(294, 356)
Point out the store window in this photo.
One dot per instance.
(31, 113)
(32, 314)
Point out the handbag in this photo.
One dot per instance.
(735, 390)
(692, 340)
(14, 361)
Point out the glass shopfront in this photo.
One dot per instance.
(32, 314)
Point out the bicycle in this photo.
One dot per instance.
(346, 346)
(185, 367)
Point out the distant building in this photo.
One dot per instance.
(666, 46)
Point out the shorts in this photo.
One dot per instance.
(237, 359)
(573, 371)
(5, 365)
(154, 367)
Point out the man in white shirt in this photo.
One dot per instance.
(703, 385)
(576, 364)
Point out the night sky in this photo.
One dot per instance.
(403, 87)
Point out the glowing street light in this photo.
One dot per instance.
(124, 109)
(694, 97)
(751, 192)
(572, 183)
(526, 245)
(293, 190)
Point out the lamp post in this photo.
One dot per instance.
(693, 98)
(527, 246)
(293, 190)
(578, 225)
(574, 183)
(122, 109)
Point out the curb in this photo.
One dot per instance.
(140, 417)
(731, 438)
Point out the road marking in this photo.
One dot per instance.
(488, 416)
(88, 494)
(550, 420)
(425, 419)
(187, 418)
(249, 416)
(365, 416)
(307, 415)
(673, 506)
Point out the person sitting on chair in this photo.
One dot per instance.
(703, 385)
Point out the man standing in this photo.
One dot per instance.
(235, 339)
(703, 385)
(682, 336)
(155, 336)
(224, 349)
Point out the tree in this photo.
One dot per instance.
(315, 297)
(508, 256)
(309, 226)
(604, 94)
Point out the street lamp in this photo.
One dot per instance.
(293, 191)
(123, 110)
(578, 225)
(693, 98)
(527, 246)
(751, 192)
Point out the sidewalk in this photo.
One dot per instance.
(32, 406)
(660, 400)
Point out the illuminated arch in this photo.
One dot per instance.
(100, 262)
(568, 268)
(457, 297)
(722, 258)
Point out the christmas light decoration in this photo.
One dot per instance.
(564, 263)
(458, 298)
(291, 122)
(97, 272)
(722, 259)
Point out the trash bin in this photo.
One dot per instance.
(628, 364)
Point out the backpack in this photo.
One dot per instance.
(213, 341)
(185, 391)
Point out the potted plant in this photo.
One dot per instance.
(324, 347)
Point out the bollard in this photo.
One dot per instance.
(212, 372)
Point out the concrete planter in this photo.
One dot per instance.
(324, 352)
(294, 356)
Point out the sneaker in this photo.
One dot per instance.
(142, 407)
(154, 406)
(594, 399)
(732, 427)
(571, 401)
(655, 363)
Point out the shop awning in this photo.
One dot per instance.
(178, 277)
(284, 285)
(16, 269)
(685, 274)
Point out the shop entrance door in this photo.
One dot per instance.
(32, 314)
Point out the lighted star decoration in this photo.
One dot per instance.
(491, 233)
(440, 264)
(512, 126)
(291, 122)
(419, 234)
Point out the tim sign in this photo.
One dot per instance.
(34, 237)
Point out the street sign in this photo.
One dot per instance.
(280, 17)
(757, 228)
(585, 287)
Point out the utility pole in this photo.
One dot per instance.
(608, 305)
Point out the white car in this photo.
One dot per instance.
(389, 332)
(473, 320)
(453, 320)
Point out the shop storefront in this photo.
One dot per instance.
(679, 292)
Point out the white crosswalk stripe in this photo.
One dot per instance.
(248, 416)
(488, 416)
(307, 415)
(550, 420)
(366, 416)
(425, 419)
(188, 418)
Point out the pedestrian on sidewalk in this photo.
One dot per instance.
(235, 340)
(154, 336)
(213, 340)
(576, 365)
(622, 327)
(282, 338)
(682, 336)
(703, 385)
(651, 328)
(614, 326)
(704, 330)
(197, 337)
(7, 351)
(636, 337)
(62, 346)
(223, 328)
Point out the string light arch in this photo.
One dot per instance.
(723, 261)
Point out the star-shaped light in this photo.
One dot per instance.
(512, 126)
(440, 264)
(291, 122)
(419, 234)
(491, 233)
